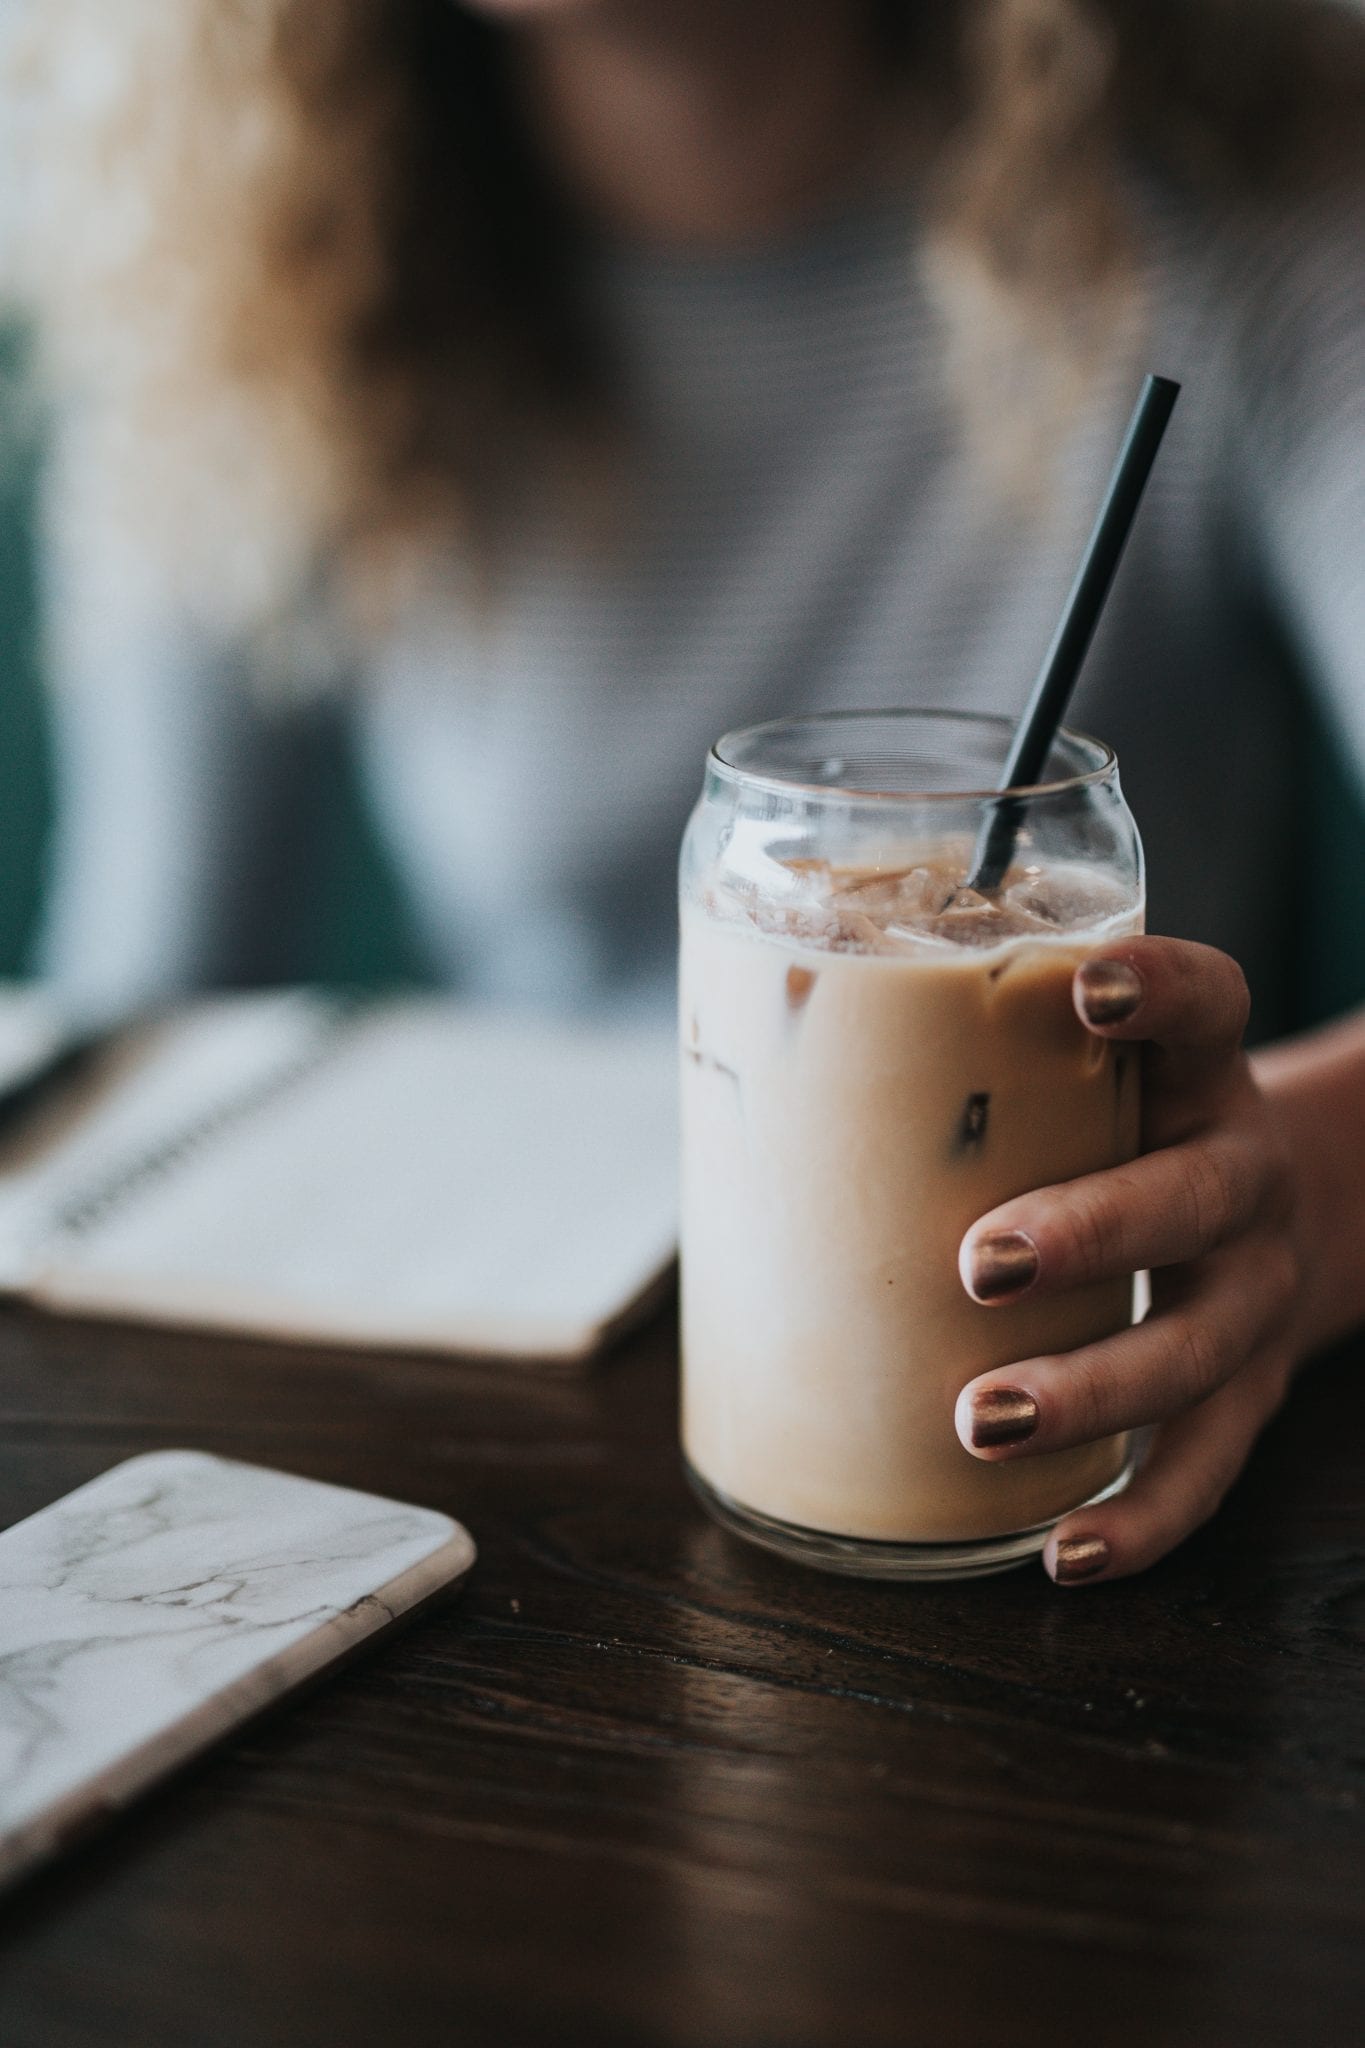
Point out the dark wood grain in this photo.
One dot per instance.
(643, 1785)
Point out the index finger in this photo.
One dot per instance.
(1184, 997)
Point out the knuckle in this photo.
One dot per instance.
(1194, 1359)
(1091, 1228)
(1213, 1190)
(1089, 1395)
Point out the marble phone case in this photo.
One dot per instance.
(153, 1610)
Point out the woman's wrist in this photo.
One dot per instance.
(1314, 1088)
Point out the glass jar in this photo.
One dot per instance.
(874, 1056)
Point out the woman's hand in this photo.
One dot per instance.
(1209, 1207)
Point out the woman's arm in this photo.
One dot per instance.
(1315, 1087)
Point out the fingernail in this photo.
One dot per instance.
(1003, 1262)
(1079, 1557)
(1002, 1415)
(1110, 990)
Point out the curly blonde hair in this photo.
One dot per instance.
(301, 271)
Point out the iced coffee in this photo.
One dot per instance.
(873, 1056)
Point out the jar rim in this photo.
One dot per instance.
(1105, 762)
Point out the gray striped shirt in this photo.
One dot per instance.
(802, 532)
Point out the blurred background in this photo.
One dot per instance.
(347, 919)
(341, 913)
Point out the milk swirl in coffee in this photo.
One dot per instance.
(874, 1056)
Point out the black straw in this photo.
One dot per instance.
(1037, 729)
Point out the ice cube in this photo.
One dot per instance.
(1034, 904)
(900, 894)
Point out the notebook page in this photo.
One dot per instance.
(443, 1179)
(174, 1082)
(32, 1032)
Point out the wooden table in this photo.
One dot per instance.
(645, 1785)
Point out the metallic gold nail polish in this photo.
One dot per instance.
(1002, 1415)
(1003, 1262)
(1080, 1557)
(1110, 990)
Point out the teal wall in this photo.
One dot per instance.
(25, 792)
(358, 933)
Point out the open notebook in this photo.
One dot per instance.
(404, 1175)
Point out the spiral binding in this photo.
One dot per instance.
(81, 1214)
